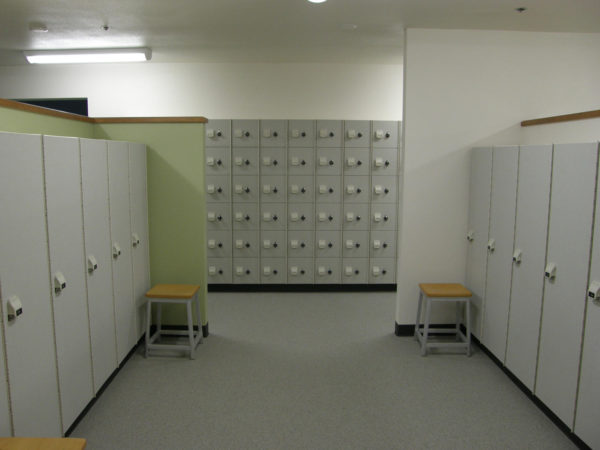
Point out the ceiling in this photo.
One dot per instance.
(360, 31)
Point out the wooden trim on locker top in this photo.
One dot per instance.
(564, 118)
(63, 115)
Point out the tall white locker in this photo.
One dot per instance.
(569, 241)
(587, 417)
(67, 274)
(529, 259)
(120, 230)
(505, 163)
(5, 429)
(477, 232)
(139, 230)
(24, 273)
(96, 225)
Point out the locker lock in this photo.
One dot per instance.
(275, 244)
(219, 189)
(491, 246)
(303, 163)
(303, 190)
(594, 290)
(219, 133)
(470, 235)
(135, 239)
(14, 307)
(303, 245)
(247, 162)
(275, 134)
(246, 133)
(116, 250)
(60, 282)
(550, 272)
(92, 264)
(219, 162)
(275, 162)
(330, 245)
(517, 256)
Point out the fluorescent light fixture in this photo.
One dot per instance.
(96, 55)
(317, 1)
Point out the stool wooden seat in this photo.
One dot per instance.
(173, 294)
(26, 443)
(445, 292)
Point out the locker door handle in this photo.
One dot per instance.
(116, 250)
(491, 245)
(594, 290)
(14, 307)
(92, 264)
(550, 272)
(135, 239)
(470, 235)
(517, 256)
(60, 282)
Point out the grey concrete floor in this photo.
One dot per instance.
(295, 372)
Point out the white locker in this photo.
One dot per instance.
(587, 417)
(529, 259)
(24, 273)
(96, 225)
(5, 425)
(505, 162)
(67, 274)
(477, 232)
(120, 230)
(569, 241)
(138, 199)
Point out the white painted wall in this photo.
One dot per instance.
(293, 91)
(466, 88)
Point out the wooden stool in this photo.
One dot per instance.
(173, 294)
(445, 292)
(22, 443)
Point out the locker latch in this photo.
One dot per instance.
(14, 307)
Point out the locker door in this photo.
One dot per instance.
(139, 230)
(587, 417)
(24, 273)
(5, 426)
(569, 241)
(65, 235)
(96, 225)
(502, 232)
(120, 231)
(477, 232)
(529, 258)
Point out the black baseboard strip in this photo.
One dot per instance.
(302, 288)
(536, 401)
(409, 330)
(103, 387)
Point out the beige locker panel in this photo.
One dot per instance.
(218, 133)
(565, 288)
(355, 244)
(94, 183)
(218, 161)
(477, 232)
(505, 163)
(24, 275)
(244, 189)
(246, 271)
(67, 271)
(328, 271)
(244, 161)
(301, 133)
(587, 417)
(140, 236)
(329, 133)
(356, 161)
(273, 133)
(300, 271)
(246, 216)
(5, 425)
(273, 161)
(328, 216)
(357, 133)
(329, 161)
(382, 271)
(273, 189)
(383, 189)
(301, 161)
(328, 189)
(273, 244)
(218, 189)
(384, 161)
(356, 188)
(246, 244)
(300, 244)
(301, 189)
(356, 216)
(244, 133)
(383, 244)
(529, 258)
(301, 216)
(218, 217)
(272, 216)
(219, 271)
(218, 244)
(273, 270)
(385, 134)
(120, 227)
(328, 244)
(355, 270)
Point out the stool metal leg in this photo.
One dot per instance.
(190, 328)
(158, 318)
(418, 321)
(426, 326)
(468, 325)
(148, 320)
(198, 318)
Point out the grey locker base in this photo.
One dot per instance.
(302, 288)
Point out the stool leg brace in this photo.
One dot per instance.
(422, 335)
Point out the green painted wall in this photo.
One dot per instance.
(26, 122)
(176, 205)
